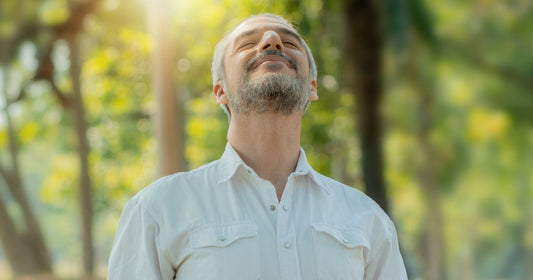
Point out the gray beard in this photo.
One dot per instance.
(276, 93)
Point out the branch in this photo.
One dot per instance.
(5, 174)
(23, 33)
(504, 72)
(475, 59)
(9, 180)
(137, 115)
(22, 93)
(44, 72)
(45, 69)
(63, 99)
(74, 23)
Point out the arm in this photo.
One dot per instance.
(385, 261)
(135, 253)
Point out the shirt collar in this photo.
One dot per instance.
(231, 161)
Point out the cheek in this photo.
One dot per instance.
(233, 75)
(301, 60)
(237, 64)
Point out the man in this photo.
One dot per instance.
(260, 211)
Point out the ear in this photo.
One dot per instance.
(220, 93)
(313, 94)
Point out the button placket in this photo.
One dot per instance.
(288, 259)
(287, 250)
(287, 246)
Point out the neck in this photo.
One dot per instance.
(268, 143)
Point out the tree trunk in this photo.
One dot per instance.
(524, 199)
(18, 255)
(25, 247)
(435, 265)
(78, 113)
(168, 117)
(363, 54)
(422, 80)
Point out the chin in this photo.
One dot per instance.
(263, 77)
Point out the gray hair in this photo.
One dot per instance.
(217, 68)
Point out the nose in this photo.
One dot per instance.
(271, 41)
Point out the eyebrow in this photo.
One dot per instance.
(282, 30)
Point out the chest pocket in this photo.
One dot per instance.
(225, 251)
(339, 252)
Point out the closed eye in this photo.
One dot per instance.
(289, 43)
(246, 45)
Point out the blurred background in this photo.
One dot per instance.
(427, 106)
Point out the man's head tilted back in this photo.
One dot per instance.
(263, 66)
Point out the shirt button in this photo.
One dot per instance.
(272, 207)
(287, 245)
(345, 241)
(285, 208)
(222, 238)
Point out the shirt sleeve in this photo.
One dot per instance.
(135, 254)
(385, 260)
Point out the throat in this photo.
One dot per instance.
(280, 187)
(269, 144)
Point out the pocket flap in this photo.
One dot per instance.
(349, 237)
(221, 235)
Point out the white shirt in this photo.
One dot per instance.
(222, 221)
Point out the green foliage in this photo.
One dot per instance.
(421, 20)
(480, 116)
(53, 12)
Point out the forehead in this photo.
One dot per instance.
(260, 23)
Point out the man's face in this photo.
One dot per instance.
(266, 69)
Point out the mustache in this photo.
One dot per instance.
(253, 60)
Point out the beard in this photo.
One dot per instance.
(274, 92)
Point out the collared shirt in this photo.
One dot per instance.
(222, 221)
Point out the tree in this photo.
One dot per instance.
(34, 257)
(169, 118)
(77, 109)
(25, 246)
(73, 102)
(423, 85)
(363, 52)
